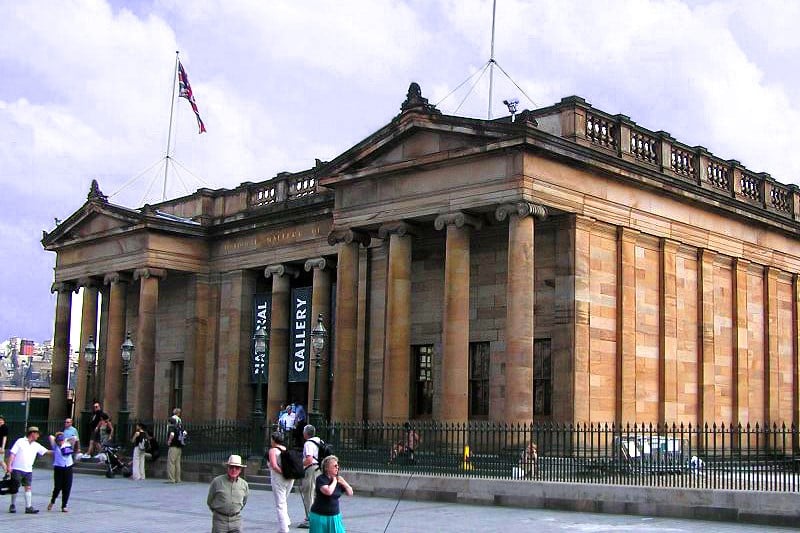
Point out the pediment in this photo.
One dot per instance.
(416, 145)
(92, 220)
(98, 223)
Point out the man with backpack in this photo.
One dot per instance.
(314, 451)
(175, 441)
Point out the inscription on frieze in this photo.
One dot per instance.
(270, 239)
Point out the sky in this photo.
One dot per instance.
(86, 91)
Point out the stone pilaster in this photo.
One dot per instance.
(579, 390)
(626, 325)
(279, 335)
(668, 356)
(201, 338)
(85, 391)
(320, 304)
(707, 367)
(343, 400)
(145, 367)
(741, 348)
(397, 363)
(118, 295)
(520, 300)
(772, 374)
(60, 362)
(455, 316)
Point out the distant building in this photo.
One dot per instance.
(569, 265)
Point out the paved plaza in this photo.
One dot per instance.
(121, 505)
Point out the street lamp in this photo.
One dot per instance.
(259, 366)
(318, 335)
(126, 354)
(90, 355)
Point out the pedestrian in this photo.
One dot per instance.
(325, 516)
(71, 432)
(105, 432)
(175, 441)
(63, 448)
(299, 423)
(139, 440)
(94, 424)
(311, 469)
(227, 496)
(281, 487)
(20, 460)
(3, 441)
(529, 460)
(405, 448)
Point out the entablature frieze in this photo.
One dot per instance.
(349, 236)
(280, 270)
(458, 219)
(90, 282)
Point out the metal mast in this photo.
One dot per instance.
(169, 135)
(491, 61)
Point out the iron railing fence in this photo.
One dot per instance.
(736, 457)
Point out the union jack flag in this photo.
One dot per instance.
(185, 91)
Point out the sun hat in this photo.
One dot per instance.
(33, 429)
(235, 460)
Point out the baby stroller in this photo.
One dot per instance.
(114, 463)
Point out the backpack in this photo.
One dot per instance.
(154, 450)
(292, 464)
(323, 450)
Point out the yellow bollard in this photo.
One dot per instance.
(466, 464)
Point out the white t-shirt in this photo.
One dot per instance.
(312, 449)
(25, 453)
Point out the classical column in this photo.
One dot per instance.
(455, 315)
(397, 360)
(117, 303)
(343, 399)
(83, 393)
(626, 325)
(772, 374)
(60, 363)
(145, 367)
(320, 304)
(519, 311)
(741, 345)
(277, 372)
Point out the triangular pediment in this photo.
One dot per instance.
(92, 220)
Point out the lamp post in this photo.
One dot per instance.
(259, 366)
(90, 355)
(126, 354)
(318, 335)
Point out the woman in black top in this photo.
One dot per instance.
(325, 516)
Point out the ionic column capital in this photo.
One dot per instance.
(458, 218)
(348, 236)
(320, 263)
(116, 277)
(400, 228)
(148, 272)
(280, 270)
(63, 286)
(89, 283)
(521, 209)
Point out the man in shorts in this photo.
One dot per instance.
(20, 461)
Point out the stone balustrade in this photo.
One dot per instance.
(283, 187)
(657, 150)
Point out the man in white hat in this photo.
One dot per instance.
(227, 496)
(20, 462)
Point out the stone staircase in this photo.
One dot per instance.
(257, 478)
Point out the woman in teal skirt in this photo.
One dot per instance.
(325, 516)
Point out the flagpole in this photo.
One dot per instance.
(169, 135)
(491, 61)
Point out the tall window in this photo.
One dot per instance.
(542, 377)
(176, 384)
(478, 379)
(422, 386)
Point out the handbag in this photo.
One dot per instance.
(8, 485)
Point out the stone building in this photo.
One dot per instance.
(563, 264)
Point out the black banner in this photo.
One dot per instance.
(262, 316)
(300, 335)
